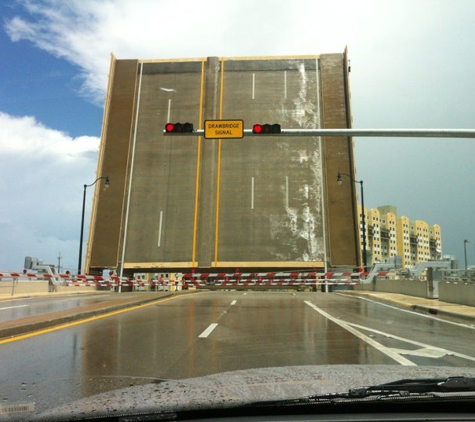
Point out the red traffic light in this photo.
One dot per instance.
(257, 128)
(169, 127)
(266, 128)
(179, 127)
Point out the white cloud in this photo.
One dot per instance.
(85, 32)
(383, 36)
(43, 172)
(25, 134)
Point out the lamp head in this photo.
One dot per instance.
(107, 184)
(338, 179)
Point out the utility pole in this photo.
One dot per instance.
(59, 263)
(465, 252)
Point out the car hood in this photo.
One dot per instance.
(230, 389)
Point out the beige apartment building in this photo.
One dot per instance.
(388, 235)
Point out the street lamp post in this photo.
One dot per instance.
(363, 221)
(465, 252)
(106, 185)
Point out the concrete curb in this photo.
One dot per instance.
(40, 322)
(435, 311)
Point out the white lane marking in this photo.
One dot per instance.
(253, 85)
(388, 352)
(472, 327)
(160, 222)
(11, 307)
(252, 192)
(208, 331)
(286, 191)
(435, 350)
(233, 302)
(425, 352)
(244, 294)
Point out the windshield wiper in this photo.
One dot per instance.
(401, 388)
(416, 386)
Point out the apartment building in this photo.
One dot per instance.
(388, 235)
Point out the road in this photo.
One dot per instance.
(211, 332)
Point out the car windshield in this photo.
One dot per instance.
(195, 188)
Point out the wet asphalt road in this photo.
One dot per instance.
(211, 332)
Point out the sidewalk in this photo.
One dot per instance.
(431, 306)
(40, 322)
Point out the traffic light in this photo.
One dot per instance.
(179, 127)
(262, 129)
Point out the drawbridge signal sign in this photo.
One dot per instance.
(224, 129)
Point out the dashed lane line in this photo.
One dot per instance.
(208, 331)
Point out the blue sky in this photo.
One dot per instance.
(36, 83)
(412, 67)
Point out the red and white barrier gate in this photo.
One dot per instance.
(275, 279)
(202, 279)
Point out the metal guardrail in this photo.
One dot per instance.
(454, 276)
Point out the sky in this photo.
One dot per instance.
(411, 67)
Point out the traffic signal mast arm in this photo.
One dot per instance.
(408, 133)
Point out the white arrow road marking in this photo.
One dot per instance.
(387, 351)
(426, 352)
(434, 349)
